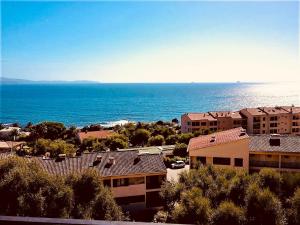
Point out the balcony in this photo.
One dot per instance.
(256, 163)
(290, 165)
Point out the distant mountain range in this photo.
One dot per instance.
(6, 80)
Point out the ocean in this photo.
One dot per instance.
(83, 104)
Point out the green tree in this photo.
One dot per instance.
(55, 147)
(180, 150)
(270, 178)
(263, 207)
(295, 207)
(140, 137)
(185, 138)
(25, 190)
(48, 130)
(192, 209)
(228, 213)
(90, 197)
(157, 140)
(172, 139)
(117, 143)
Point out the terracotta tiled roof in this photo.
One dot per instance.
(273, 110)
(200, 116)
(126, 163)
(255, 111)
(260, 143)
(234, 115)
(291, 109)
(218, 137)
(101, 134)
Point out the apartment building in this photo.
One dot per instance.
(227, 120)
(281, 152)
(261, 120)
(295, 115)
(234, 148)
(191, 122)
(228, 148)
(135, 179)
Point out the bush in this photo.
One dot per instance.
(157, 140)
(185, 138)
(140, 137)
(55, 147)
(263, 207)
(180, 150)
(192, 209)
(228, 213)
(172, 139)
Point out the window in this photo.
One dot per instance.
(221, 161)
(128, 181)
(107, 183)
(136, 180)
(238, 162)
(273, 118)
(195, 124)
(153, 182)
(120, 182)
(273, 124)
(188, 123)
(203, 123)
(130, 199)
(201, 159)
(264, 118)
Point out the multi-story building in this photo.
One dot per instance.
(295, 115)
(261, 120)
(234, 148)
(227, 120)
(191, 122)
(281, 152)
(135, 179)
(256, 120)
(226, 148)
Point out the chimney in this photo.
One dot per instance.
(274, 140)
(111, 160)
(61, 156)
(243, 132)
(213, 139)
(137, 159)
(98, 158)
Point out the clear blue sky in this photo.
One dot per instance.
(148, 41)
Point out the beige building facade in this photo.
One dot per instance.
(234, 148)
(223, 149)
(191, 122)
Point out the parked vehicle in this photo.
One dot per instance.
(177, 165)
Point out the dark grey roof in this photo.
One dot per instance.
(126, 163)
(260, 143)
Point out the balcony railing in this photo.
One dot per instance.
(290, 165)
(256, 163)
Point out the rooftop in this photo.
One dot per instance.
(200, 116)
(291, 109)
(261, 143)
(233, 115)
(101, 134)
(217, 138)
(255, 111)
(125, 163)
(273, 110)
(151, 149)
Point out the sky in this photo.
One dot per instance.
(202, 41)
